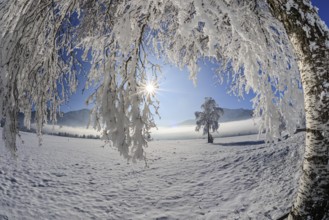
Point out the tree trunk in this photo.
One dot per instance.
(210, 139)
(310, 41)
(208, 133)
(10, 130)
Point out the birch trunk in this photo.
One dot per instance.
(310, 41)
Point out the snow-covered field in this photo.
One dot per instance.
(70, 178)
(226, 129)
(232, 128)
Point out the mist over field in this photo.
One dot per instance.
(235, 122)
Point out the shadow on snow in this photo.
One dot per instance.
(242, 143)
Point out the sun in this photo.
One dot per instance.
(150, 88)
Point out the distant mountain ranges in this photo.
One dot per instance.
(77, 118)
(229, 115)
(80, 118)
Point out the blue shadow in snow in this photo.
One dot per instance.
(242, 143)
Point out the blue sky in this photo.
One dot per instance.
(323, 6)
(179, 98)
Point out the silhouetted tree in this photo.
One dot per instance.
(208, 118)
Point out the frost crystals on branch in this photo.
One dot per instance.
(33, 76)
(257, 43)
(251, 46)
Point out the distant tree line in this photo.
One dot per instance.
(61, 134)
(66, 134)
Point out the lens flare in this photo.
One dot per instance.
(150, 88)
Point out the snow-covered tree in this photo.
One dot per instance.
(274, 47)
(208, 118)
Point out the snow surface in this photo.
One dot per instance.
(71, 178)
(232, 128)
(54, 129)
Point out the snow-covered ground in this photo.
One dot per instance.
(232, 128)
(226, 129)
(70, 178)
(54, 129)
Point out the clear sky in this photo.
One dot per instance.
(179, 98)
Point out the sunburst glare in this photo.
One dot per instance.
(150, 88)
